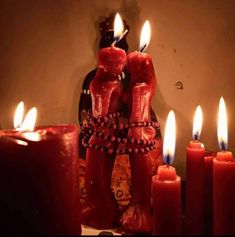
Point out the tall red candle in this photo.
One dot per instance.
(223, 181)
(166, 189)
(195, 179)
(101, 209)
(137, 217)
(208, 191)
(39, 181)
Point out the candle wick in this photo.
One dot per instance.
(168, 160)
(116, 39)
(196, 136)
(123, 34)
(223, 146)
(114, 42)
(143, 48)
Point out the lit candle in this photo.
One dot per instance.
(166, 188)
(223, 180)
(39, 179)
(195, 179)
(141, 88)
(111, 62)
(106, 90)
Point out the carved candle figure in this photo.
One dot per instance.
(122, 127)
(142, 84)
(101, 208)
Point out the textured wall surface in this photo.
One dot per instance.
(48, 46)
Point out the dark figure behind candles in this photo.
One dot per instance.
(100, 207)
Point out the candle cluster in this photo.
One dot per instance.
(210, 190)
(39, 179)
(209, 182)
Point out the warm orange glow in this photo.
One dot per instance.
(197, 123)
(222, 130)
(145, 36)
(18, 117)
(30, 120)
(169, 139)
(118, 27)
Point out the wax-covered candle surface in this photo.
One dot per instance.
(166, 188)
(39, 181)
(223, 180)
(141, 88)
(100, 208)
(208, 191)
(195, 152)
(166, 194)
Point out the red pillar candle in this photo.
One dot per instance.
(166, 188)
(208, 191)
(141, 88)
(39, 181)
(195, 179)
(223, 181)
(101, 209)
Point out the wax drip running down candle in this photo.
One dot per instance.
(106, 90)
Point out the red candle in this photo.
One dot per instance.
(166, 188)
(195, 179)
(100, 208)
(223, 181)
(39, 181)
(141, 88)
(208, 191)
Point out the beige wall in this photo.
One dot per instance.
(48, 46)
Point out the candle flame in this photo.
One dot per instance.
(222, 130)
(18, 117)
(169, 139)
(30, 120)
(118, 27)
(197, 123)
(145, 36)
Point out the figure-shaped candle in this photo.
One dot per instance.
(39, 179)
(195, 179)
(166, 187)
(223, 180)
(141, 88)
(101, 209)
